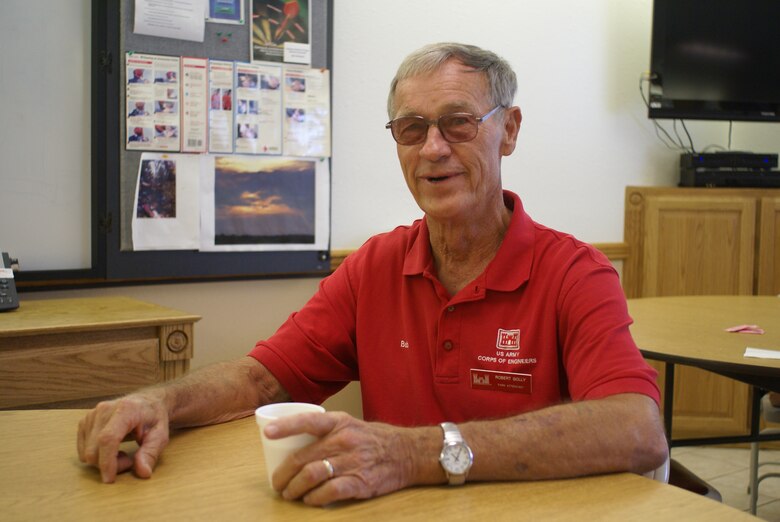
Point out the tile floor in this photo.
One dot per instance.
(727, 470)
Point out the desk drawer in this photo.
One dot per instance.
(39, 372)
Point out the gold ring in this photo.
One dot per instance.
(329, 467)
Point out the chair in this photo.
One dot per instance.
(684, 478)
(661, 474)
(771, 414)
(673, 473)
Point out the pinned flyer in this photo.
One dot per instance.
(258, 125)
(265, 203)
(153, 104)
(179, 19)
(280, 31)
(221, 102)
(194, 81)
(166, 215)
(306, 112)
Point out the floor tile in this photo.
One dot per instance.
(728, 469)
(710, 463)
(769, 512)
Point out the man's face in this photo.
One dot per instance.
(454, 182)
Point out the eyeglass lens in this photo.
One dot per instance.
(455, 128)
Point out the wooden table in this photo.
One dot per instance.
(218, 473)
(75, 351)
(690, 330)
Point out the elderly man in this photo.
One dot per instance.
(488, 347)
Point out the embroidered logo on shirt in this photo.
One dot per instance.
(404, 344)
(508, 339)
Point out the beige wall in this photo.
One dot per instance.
(235, 315)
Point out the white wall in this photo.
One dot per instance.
(585, 134)
(45, 132)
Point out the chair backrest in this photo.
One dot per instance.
(771, 413)
(661, 474)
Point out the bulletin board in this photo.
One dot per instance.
(116, 174)
(228, 42)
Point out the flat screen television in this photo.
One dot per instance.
(715, 60)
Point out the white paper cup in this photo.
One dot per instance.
(277, 450)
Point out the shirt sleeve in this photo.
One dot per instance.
(599, 355)
(313, 354)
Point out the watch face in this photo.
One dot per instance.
(456, 458)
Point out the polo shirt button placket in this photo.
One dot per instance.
(448, 345)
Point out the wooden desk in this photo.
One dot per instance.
(690, 330)
(218, 473)
(76, 351)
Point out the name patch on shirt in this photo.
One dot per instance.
(501, 381)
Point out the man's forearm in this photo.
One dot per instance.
(218, 393)
(619, 433)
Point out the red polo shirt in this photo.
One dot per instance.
(545, 323)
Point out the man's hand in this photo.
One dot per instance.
(217, 393)
(368, 458)
(105, 427)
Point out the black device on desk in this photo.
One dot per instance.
(9, 300)
(729, 169)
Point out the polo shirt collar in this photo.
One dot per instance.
(509, 269)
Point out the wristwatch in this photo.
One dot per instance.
(456, 456)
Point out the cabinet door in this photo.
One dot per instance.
(697, 246)
(706, 404)
(768, 276)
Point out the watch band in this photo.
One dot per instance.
(453, 440)
(451, 432)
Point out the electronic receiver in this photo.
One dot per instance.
(9, 300)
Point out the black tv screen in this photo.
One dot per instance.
(715, 60)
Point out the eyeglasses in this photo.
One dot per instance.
(455, 128)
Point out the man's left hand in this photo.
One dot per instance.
(368, 459)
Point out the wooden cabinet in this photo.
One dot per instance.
(703, 241)
(768, 276)
(74, 352)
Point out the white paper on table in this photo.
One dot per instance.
(762, 353)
